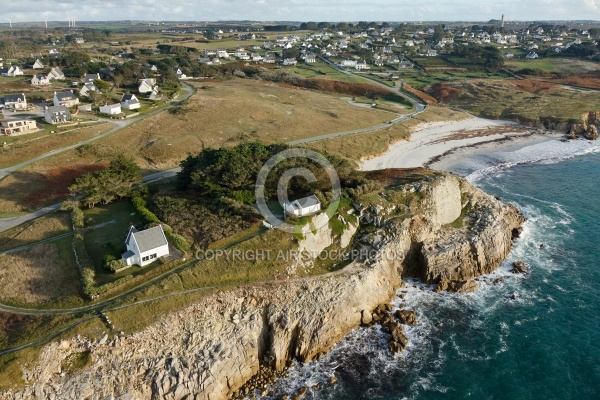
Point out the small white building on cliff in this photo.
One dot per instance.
(302, 207)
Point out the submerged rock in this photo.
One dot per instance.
(406, 317)
(519, 267)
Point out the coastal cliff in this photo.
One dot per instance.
(446, 232)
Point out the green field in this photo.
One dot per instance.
(418, 79)
(113, 221)
(554, 64)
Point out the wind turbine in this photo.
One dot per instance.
(46, 21)
(10, 23)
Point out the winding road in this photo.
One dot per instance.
(8, 223)
(12, 222)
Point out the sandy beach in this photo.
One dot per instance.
(441, 145)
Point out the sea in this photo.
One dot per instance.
(534, 336)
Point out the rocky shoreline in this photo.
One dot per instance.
(213, 348)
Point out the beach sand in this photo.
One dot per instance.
(442, 145)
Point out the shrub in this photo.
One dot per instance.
(178, 241)
(77, 217)
(85, 264)
(140, 206)
(113, 264)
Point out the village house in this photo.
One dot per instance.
(90, 77)
(17, 127)
(130, 102)
(301, 207)
(208, 61)
(362, 65)
(289, 61)
(40, 79)
(54, 53)
(222, 53)
(57, 115)
(269, 58)
(38, 65)
(14, 102)
(310, 58)
(241, 55)
(532, 55)
(179, 73)
(56, 74)
(145, 247)
(111, 109)
(89, 88)
(154, 94)
(11, 71)
(66, 98)
(405, 64)
(147, 85)
(79, 40)
(348, 63)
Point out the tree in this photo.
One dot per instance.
(438, 33)
(102, 85)
(109, 184)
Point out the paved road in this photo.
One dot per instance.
(118, 125)
(9, 223)
(12, 222)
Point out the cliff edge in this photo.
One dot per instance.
(442, 230)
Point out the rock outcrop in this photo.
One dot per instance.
(587, 126)
(210, 349)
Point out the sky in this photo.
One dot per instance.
(299, 10)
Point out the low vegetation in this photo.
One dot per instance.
(39, 274)
(525, 101)
(364, 145)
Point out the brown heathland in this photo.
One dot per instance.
(36, 275)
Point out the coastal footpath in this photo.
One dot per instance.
(452, 233)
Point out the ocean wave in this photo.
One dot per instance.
(449, 325)
(479, 166)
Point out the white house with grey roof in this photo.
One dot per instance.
(301, 207)
(56, 74)
(40, 79)
(130, 102)
(14, 102)
(66, 98)
(111, 109)
(57, 115)
(145, 247)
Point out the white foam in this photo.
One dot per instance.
(429, 343)
(547, 152)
